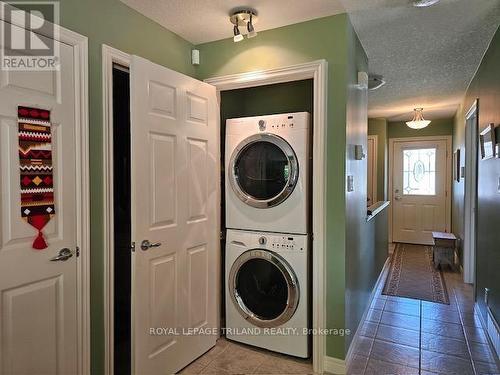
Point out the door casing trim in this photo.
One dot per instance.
(390, 193)
(470, 197)
(79, 43)
(110, 56)
(316, 70)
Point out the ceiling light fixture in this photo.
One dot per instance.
(424, 3)
(245, 18)
(418, 121)
(237, 35)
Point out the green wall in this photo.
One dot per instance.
(486, 87)
(399, 129)
(329, 38)
(113, 23)
(378, 127)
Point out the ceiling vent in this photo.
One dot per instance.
(375, 81)
(424, 3)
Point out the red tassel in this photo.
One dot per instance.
(39, 243)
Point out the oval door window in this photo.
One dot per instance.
(264, 170)
(263, 288)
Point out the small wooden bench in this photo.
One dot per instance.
(444, 249)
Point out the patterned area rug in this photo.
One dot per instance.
(412, 275)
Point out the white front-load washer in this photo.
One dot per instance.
(267, 173)
(267, 291)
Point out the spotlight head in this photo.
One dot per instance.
(237, 35)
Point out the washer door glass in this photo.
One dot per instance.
(264, 170)
(263, 288)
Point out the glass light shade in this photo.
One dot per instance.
(418, 121)
(252, 34)
(238, 38)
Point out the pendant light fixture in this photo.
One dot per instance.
(418, 121)
(245, 18)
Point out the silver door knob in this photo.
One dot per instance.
(145, 245)
(64, 255)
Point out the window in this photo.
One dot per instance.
(419, 171)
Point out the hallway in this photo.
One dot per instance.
(407, 336)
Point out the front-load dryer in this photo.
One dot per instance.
(267, 291)
(267, 173)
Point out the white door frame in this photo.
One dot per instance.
(470, 196)
(110, 56)
(375, 167)
(79, 43)
(316, 70)
(390, 194)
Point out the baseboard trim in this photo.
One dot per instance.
(334, 365)
(492, 329)
(381, 278)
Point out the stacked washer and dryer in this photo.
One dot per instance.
(267, 243)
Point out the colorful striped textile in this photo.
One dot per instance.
(35, 164)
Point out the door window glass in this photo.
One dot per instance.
(419, 171)
(262, 170)
(262, 288)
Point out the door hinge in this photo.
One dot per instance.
(77, 251)
(221, 236)
(132, 247)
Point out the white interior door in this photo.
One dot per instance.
(175, 204)
(38, 297)
(420, 184)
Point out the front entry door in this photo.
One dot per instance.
(175, 179)
(420, 184)
(38, 297)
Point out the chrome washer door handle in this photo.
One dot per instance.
(146, 245)
(64, 255)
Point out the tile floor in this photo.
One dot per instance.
(399, 336)
(406, 336)
(228, 357)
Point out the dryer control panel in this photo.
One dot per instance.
(268, 123)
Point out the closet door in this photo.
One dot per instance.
(175, 205)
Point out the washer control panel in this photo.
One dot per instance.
(281, 243)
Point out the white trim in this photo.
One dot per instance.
(375, 167)
(334, 365)
(317, 70)
(110, 56)
(448, 139)
(79, 43)
(470, 195)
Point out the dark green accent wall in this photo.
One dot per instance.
(113, 23)
(399, 129)
(378, 127)
(296, 44)
(486, 87)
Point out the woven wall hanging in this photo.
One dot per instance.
(35, 163)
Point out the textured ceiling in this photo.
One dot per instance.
(202, 21)
(427, 56)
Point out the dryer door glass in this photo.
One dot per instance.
(263, 288)
(264, 170)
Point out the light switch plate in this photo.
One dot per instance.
(350, 183)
